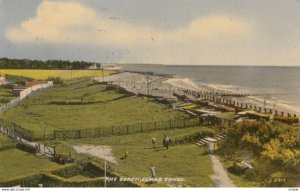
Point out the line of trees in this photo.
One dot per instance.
(6, 63)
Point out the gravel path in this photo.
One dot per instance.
(100, 151)
(220, 177)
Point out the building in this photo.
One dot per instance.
(24, 90)
(94, 67)
(16, 90)
(33, 83)
(2, 79)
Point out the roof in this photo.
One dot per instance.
(223, 107)
(19, 87)
(35, 83)
(207, 111)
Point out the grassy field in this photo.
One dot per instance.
(6, 95)
(15, 163)
(183, 161)
(85, 104)
(64, 74)
(4, 141)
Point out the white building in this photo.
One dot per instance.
(2, 80)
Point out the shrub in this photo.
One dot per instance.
(26, 148)
(288, 120)
(56, 80)
(26, 181)
(194, 137)
(69, 171)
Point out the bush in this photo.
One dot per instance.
(5, 146)
(194, 137)
(27, 181)
(54, 179)
(288, 120)
(56, 80)
(26, 148)
(68, 171)
(252, 175)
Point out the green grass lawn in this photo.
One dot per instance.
(4, 139)
(183, 161)
(6, 95)
(6, 142)
(15, 163)
(85, 104)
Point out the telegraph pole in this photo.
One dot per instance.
(102, 74)
(147, 84)
(104, 173)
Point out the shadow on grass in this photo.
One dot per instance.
(205, 153)
(153, 147)
(232, 170)
(86, 103)
(160, 149)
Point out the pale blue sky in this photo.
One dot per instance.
(207, 32)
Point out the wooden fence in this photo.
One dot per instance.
(16, 130)
(101, 131)
(124, 129)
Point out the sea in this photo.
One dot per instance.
(278, 87)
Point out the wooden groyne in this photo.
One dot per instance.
(151, 73)
(224, 98)
(205, 94)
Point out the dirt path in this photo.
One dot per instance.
(220, 177)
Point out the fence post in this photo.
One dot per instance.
(79, 133)
(54, 152)
(141, 127)
(170, 121)
(54, 134)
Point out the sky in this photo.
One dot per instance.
(177, 32)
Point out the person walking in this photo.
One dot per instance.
(153, 171)
(166, 141)
(153, 141)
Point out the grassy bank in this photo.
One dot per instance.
(185, 161)
(85, 104)
(15, 163)
(181, 161)
(6, 142)
(64, 74)
(6, 95)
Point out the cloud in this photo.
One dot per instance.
(74, 23)
(212, 26)
(204, 40)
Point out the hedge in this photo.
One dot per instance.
(194, 137)
(59, 178)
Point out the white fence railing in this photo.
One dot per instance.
(25, 93)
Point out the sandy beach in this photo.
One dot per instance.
(165, 86)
